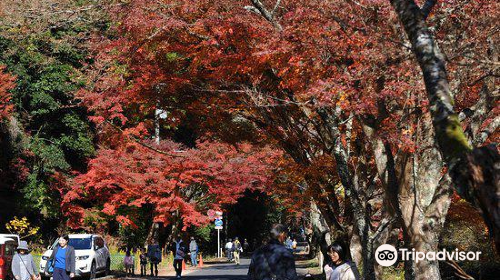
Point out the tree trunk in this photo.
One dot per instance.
(318, 243)
(474, 175)
(424, 198)
(153, 233)
(417, 194)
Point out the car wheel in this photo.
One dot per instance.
(107, 270)
(92, 274)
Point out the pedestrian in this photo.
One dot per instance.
(237, 249)
(274, 260)
(63, 259)
(294, 245)
(229, 250)
(179, 251)
(23, 266)
(144, 262)
(128, 262)
(246, 246)
(339, 268)
(288, 243)
(193, 249)
(154, 256)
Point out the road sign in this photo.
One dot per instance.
(218, 223)
(218, 227)
(218, 215)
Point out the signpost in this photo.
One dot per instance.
(218, 227)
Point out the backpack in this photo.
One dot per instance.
(181, 252)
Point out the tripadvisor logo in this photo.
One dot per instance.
(387, 255)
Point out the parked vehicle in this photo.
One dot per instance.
(91, 252)
(8, 247)
(9, 235)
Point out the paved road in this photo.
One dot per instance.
(222, 271)
(218, 271)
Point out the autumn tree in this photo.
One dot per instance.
(7, 83)
(332, 84)
(473, 170)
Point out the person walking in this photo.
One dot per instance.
(63, 259)
(229, 250)
(128, 262)
(288, 243)
(246, 246)
(179, 252)
(339, 268)
(294, 245)
(154, 256)
(274, 260)
(237, 249)
(23, 266)
(193, 249)
(144, 262)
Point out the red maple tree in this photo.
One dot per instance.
(6, 84)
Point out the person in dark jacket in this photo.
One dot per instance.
(154, 255)
(274, 260)
(63, 258)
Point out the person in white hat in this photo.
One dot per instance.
(23, 265)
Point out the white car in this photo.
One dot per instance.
(91, 253)
(13, 236)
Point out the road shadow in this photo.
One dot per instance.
(230, 267)
(213, 277)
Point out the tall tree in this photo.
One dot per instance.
(474, 171)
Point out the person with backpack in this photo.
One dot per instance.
(63, 260)
(274, 260)
(237, 249)
(179, 251)
(23, 266)
(154, 255)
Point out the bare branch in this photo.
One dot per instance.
(275, 7)
(383, 225)
(252, 9)
(266, 14)
(459, 271)
(138, 141)
(487, 131)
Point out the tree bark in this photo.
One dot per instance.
(318, 243)
(477, 183)
(417, 194)
(361, 219)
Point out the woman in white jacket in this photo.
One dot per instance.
(339, 268)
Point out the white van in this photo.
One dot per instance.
(9, 235)
(91, 252)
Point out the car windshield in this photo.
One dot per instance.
(84, 243)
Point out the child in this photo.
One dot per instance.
(144, 261)
(128, 261)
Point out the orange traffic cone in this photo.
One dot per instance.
(200, 263)
(183, 265)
